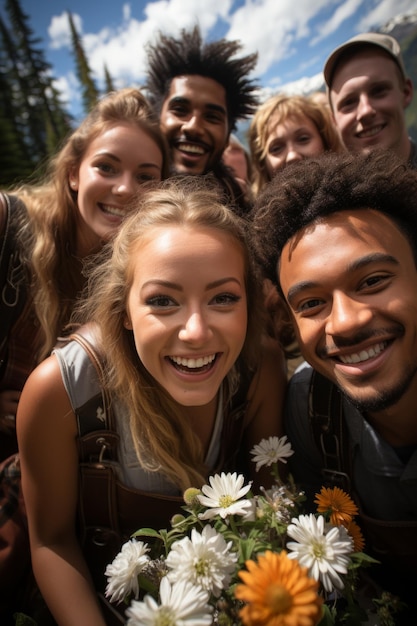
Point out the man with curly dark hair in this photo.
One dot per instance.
(200, 90)
(338, 235)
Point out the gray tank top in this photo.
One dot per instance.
(81, 383)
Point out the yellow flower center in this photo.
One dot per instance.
(165, 617)
(201, 568)
(278, 599)
(319, 549)
(225, 501)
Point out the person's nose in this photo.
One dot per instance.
(365, 107)
(347, 316)
(125, 185)
(292, 154)
(193, 125)
(196, 328)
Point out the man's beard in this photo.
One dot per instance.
(386, 397)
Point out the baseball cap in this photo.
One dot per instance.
(385, 42)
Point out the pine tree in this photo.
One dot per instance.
(15, 159)
(108, 81)
(90, 93)
(35, 111)
(15, 163)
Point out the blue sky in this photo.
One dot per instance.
(292, 37)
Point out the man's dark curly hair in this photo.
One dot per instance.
(188, 55)
(308, 191)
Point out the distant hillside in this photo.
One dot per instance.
(404, 29)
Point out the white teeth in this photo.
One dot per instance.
(371, 132)
(112, 210)
(193, 363)
(364, 355)
(191, 148)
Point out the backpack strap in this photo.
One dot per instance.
(12, 270)
(98, 440)
(329, 430)
(98, 511)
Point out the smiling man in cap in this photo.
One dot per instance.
(369, 91)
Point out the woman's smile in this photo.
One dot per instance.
(188, 310)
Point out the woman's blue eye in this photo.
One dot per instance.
(160, 301)
(226, 298)
(106, 168)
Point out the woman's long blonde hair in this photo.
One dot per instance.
(49, 236)
(276, 110)
(159, 428)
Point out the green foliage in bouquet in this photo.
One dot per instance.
(237, 558)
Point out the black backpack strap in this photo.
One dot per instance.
(98, 440)
(98, 511)
(329, 430)
(13, 275)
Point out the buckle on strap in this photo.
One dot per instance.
(336, 478)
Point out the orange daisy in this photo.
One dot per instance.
(356, 534)
(278, 592)
(337, 504)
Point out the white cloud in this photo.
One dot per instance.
(68, 88)
(273, 28)
(341, 14)
(288, 35)
(172, 15)
(59, 30)
(126, 12)
(122, 49)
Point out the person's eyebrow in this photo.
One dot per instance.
(216, 107)
(147, 165)
(178, 100)
(171, 285)
(117, 159)
(209, 105)
(357, 264)
(109, 155)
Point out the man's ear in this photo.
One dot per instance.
(408, 92)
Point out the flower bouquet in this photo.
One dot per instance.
(235, 558)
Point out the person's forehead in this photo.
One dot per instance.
(361, 225)
(335, 247)
(196, 86)
(289, 119)
(361, 60)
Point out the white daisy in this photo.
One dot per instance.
(224, 495)
(322, 548)
(123, 572)
(251, 513)
(271, 450)
(204, 560)
(181, 604)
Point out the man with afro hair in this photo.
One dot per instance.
(200, 90)
(338, 236)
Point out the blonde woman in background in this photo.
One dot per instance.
(62, 220)
(285, 129)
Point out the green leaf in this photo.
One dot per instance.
(24, 620)
(328, 618)
(147, 532)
